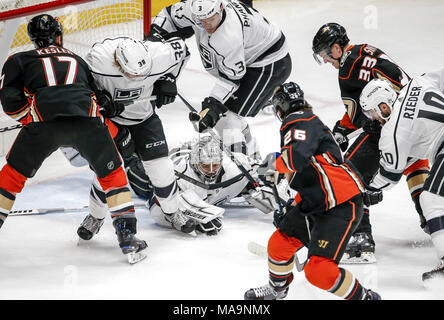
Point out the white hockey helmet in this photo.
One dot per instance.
(204, 9)
(374, 93)
(206, 158)
(133, 58)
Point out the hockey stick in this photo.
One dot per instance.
(354, 134)
(10, 128)
(226, 149)
(261, 251)
(33, 212)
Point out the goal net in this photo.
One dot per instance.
(84, 23)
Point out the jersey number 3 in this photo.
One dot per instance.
(50, 73)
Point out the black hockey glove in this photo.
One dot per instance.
(371, 196)
(212, 111)
(156, 34)
(108, 107)
(165, 90)
(278, 216)
(372, 127)
(340, 133)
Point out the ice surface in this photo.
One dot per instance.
(40, 258)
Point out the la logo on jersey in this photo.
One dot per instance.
(127, 94)
(206, 56)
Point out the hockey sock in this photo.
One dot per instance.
(281, 251)
(325, 274)
(11, 183)
(118, 195)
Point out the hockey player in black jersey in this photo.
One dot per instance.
(330, 195)
(50, 90)
(357, 65)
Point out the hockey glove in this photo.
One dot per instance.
(371, 196)
(165, 90)
(372, 127)
(212, 111)
(108, 107)
(156, 34)
(340, 133)
(278, 216)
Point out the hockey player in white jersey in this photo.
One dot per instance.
(203, 168)
(413, 128)
(246, 54)
(134, 77)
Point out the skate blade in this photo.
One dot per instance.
(365, 258)
(135, 257)
(257, 249)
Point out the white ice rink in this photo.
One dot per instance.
(39, 256)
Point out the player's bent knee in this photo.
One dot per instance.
(160, 171)
(11, 180)
(281, 247)
(115, 179)
(321, 272)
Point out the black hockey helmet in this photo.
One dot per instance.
(327, 35)
(43, 30)
(288, 98)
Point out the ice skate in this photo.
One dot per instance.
(437, 272)
(129, 244)
(180, 222)
(270, 291)
(360, 249)
(371, 295)
(89, 227)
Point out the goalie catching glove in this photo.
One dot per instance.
(207, 217)
(212, 111)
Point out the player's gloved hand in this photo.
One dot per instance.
(371, 196)
(278, 216)
(165, 90)
(210, 228)
(108, 107)
(156, 34)
(372, 127)
(212, 111)
(340, 133)
(267, 169)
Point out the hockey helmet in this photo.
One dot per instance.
(374, 93)
(43, 31)
(134, 58)
(327, 35)
(206, 158)
(205, 9)
(288, 98)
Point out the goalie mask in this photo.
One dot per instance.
(374, 93)
(133, 58)
(206, 158)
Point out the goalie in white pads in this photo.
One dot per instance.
(413, 128)
(134, 77)
(246, 54)
(203, 169)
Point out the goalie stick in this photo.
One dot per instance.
(226, 149)
(33, 212)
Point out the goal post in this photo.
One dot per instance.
(85, 22)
